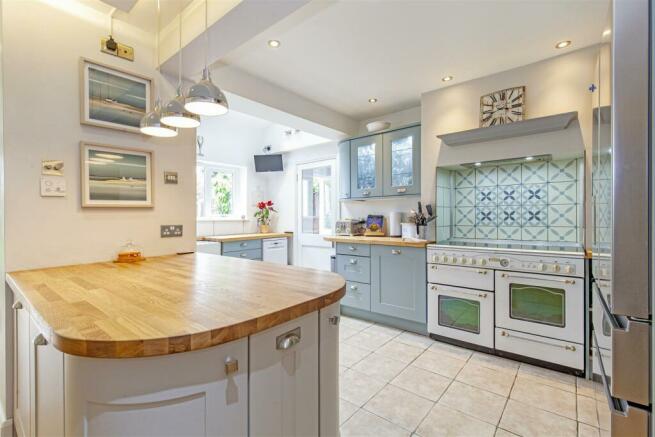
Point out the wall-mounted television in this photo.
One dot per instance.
(264, 163)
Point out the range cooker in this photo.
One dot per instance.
(522, 300)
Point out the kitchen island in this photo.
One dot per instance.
(177, 345)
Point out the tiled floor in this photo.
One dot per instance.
(396, 383)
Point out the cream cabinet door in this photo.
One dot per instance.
(329, 370)
(284, 379)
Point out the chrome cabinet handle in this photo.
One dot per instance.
(352, 248)
(334, 320)
(243, 255)
(288, 340)
(40, 340)
(401, 190)
(395, 252)
(353, 261)
(17, 305)
(354, 287)
(244, 244)
(231, 365)
(566, 281)
(566, 347)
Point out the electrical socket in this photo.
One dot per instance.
(169, 231)
(122, 50)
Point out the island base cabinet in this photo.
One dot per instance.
(199, 393)
(284, 374)
(328, 368)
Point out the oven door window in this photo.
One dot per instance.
(458, 313)
(537, 304)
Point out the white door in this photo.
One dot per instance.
(317, 211)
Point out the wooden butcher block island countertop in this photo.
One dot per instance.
(381, 241)
(168, 304)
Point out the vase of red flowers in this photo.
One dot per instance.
(263, 215)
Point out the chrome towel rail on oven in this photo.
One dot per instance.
(565, 281)
(462, 291)
(566, 347)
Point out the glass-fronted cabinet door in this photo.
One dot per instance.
(402, 161)
(366, 167)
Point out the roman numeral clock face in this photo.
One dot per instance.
(502, 107)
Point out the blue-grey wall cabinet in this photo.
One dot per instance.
(366, 167)
(398, 279)
(402, 161)
(343, 153)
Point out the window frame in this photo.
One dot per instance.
(239, 199)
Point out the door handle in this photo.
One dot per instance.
(244, 244)
(482, 272)
(17, 305)
(482, 295)
(565, 281)
(334, 320)
(231, 365)
(40, 340)
(354, 287)
(243, 255)
(352, 248)
(395, 252)
(288, 340)
(353, 261)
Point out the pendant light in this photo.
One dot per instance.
(151, 122)
(205, 98)
(173, 113)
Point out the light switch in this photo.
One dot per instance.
(53, 186)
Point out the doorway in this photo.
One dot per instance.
(317, 211)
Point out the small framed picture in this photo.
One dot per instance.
(113, 98)
(116, 177)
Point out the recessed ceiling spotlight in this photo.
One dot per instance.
(273, 43)
(446, 78)
(372, 100)
(477, 164)
(607, 32)
(529, 158)
(562, 44)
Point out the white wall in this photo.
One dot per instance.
(553, 86)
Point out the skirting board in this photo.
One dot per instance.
(7, 428)
(406, 325)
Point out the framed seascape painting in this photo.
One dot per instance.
(113, 98)
(116, 177)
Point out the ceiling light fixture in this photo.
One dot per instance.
(607, 32)
(273, 43)
(477, 164)
(529, 158)
(174, 114)
(446, 78)
(205, 98)
(151, 122)
(372, 100)
(562, 44)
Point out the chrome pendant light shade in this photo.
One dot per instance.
(205, 98)
(151, 124)
(174, 114)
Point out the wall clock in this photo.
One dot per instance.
(502, 107)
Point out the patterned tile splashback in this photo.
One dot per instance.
(534, 201)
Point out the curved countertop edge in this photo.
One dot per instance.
(153, 347)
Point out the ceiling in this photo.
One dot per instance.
(341, 53)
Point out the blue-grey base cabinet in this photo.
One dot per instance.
(398, 279)
(384, 283)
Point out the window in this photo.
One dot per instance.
(220, 191)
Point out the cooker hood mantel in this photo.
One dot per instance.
(549, 123)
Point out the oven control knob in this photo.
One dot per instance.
(453, 260)
(468, 260)
(540, 267)
(483, 262)
(434, 258)
(504, 262)
(554, 268)
(474, 261)
(460, 260)
(568, 269)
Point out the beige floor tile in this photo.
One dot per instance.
(350, 354)
(453, 351)
(587, 431)
(528, 421)
(345, 332)
(549, 377)
(400, 351)
(412, 339)
(371, 340)
(356, 324)
(383, 329)
(502, 433)
(446, 422)
(399, 406)
(342, 369)
(605, 433)
(604, 415)
(422, 382)
(587, 411)
(543, 396)
(363, 423)
(346, 410)
(493, 362)
(487, 379)
(380, 367)
(589, 388)
(439, 363)
(475, 402)
(357, 388)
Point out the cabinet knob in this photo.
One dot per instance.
(395, 252)
(334, 320)
(40, 340)
(231, 365)
(353, 261)
(352, 248)
(17, 305)
(504, 333)
(288, 340)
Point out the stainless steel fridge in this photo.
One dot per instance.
(622, 186)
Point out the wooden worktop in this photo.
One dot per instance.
(168, 304)
(243, 237)
(382, 241)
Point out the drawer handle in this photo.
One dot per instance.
(353, 261)
(17, 305)
(243, 255)
(401, 190)
(352, 248)
(244, 244)
(395, 252)
(354, 287)
(40, 340)
(231, 365)
(569, 348)
(482, 295)
(366, 193)
(334, 320)
(483, 272)
(288, 340)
